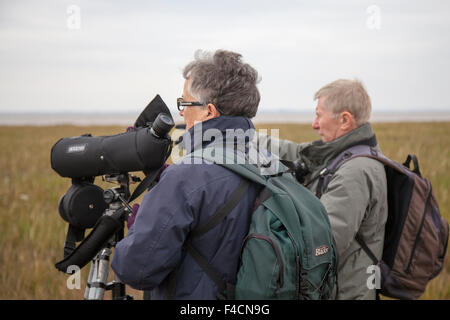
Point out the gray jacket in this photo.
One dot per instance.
(356, 200)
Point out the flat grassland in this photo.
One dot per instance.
(32, 233)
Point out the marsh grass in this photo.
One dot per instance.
(32, 233)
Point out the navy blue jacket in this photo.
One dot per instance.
(185, 196)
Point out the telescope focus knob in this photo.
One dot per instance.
(109, 196)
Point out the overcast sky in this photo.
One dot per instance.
(115, 56)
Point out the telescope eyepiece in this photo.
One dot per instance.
(162, 125)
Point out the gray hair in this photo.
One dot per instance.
(346, 95)
(225, 81)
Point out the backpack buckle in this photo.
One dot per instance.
(373, 152)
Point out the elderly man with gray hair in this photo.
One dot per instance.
(161, 250)
(356, 195)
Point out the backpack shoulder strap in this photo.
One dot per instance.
(364, 151)
(223, 211)
(225, 290)
(346, 155)
(364, 246)
(213, 221)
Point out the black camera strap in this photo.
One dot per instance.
(74, 235)
(145, 184)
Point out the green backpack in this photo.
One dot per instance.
(289, 252)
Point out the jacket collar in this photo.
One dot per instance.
(318, 153)
(206, 132)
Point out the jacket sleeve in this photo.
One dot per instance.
(346, 200)
(284, 149)
(153, 245)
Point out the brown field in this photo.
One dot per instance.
(32, 233)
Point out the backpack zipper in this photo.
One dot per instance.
(277, 253)
(416, 240)
(297, 267)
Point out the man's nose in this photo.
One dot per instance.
(315, 124)
(181, 112)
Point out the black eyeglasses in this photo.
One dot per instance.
(181, 104)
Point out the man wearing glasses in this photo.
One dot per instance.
(219, 94)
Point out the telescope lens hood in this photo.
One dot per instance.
(151, 112)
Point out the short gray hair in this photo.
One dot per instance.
(225, 81)
(346, 95)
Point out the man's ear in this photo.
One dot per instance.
(212, 111)
(347, 121)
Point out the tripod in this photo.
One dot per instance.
(99, 271)
(107, 231)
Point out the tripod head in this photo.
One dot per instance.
(111, 221)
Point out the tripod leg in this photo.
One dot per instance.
(118, 289)
(89, 280)
(100, 275)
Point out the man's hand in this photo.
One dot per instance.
(132, 216)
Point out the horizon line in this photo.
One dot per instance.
(272, 111)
